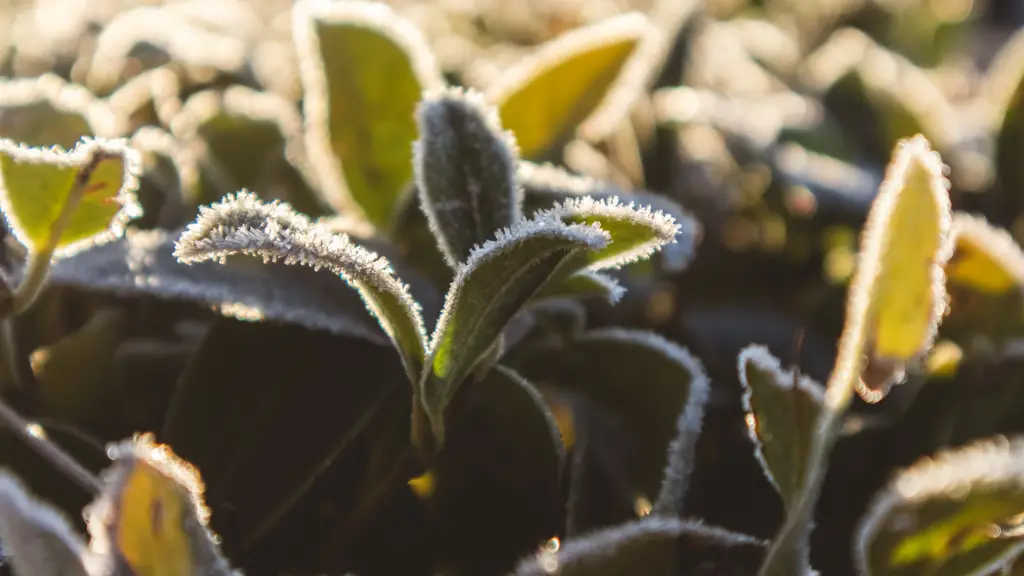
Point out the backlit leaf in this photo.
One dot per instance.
(97, 177)
(150, 517)
(363, 69)
(944, 514)
(47, 111)
(545, 185)
(547, 95)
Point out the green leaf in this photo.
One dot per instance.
(636, 233)
(363, 69)
(492, 285)
(307, 401)
(545, 185)
(143, 263)
(943, 514)
(650, 546)
(985, 281)
(498, 479)
(37, 539)
(547, 95)
(603, 365)
(129, 534)
(242, 224)
(465, 171)
(782, 410)
(68, 201)
(47, 111)
(251, 140)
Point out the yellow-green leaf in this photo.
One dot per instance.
(952, 514)
(549, 94)
(150, 514)
(96, 181)
(363, 70)
(986, 258)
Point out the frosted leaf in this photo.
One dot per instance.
(37, 539)
(242, 224)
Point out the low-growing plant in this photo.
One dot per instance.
(188, 388)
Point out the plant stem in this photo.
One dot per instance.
(790, 551)
(49, 450)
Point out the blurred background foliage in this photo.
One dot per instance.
(770, 120)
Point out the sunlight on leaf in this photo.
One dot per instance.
(96, 181)
(363, 69)
(946, 515)
(547, 95)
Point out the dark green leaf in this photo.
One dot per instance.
(957, 512)
(647, 381)
(498, 476)
(782, 414)
(465, 171)
(256, 394)
(489, 288)
(651, 546)
(46, 111)
(143, 263)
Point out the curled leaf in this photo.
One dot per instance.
(660, 545)
(986, 258)
(782, 412)
(465, 171)
(37, 539)
(150, 517)
(545, 97)
(363, 69)
(492, 285)
(955, 513)
(636, 233)
(585, 283)
(545, 185)
(64, 202)
(242, 224)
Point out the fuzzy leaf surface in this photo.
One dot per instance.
(489, 288)
(651, 546)
(242, 224)
(546, 185)
(465, 171)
